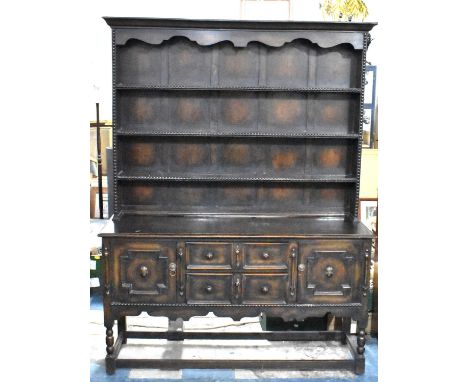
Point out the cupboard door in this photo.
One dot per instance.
(329, 271)
(144, 271)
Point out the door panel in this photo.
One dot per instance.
(329, 271)
(144, 271)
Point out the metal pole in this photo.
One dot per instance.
(98, 139)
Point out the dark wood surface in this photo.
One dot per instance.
(236, 172)
(144, 224)
(242, 24)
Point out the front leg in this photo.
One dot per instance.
(110, 359)
(361, 340)
(358, 349)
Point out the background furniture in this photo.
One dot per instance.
(236, 171)
(93, 196)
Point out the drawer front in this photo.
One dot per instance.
(207, 255)
(143, 271)
(205, 288)
(264, 288)
(266, 255)
(329, 271)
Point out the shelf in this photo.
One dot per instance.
(233, 134)
(231, 225)
(240, 88)
(207, 178)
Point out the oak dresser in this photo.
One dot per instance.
(236, 168)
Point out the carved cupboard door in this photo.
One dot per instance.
(329, 271)
(144, 271)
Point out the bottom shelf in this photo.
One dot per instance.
(185, 350)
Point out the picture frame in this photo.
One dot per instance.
(368, 213)
(367, 131)
(370, 104)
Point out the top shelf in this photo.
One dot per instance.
(239, 88)
(138, 22)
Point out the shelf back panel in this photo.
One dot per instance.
(237, 197)
(236, 157)
(243, 112)
(181, 62)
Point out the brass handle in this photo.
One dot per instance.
(293, 269)
(172, 269)
(144, 271)
(329, 271)
(237, 285)
(209, 256)
(266, 255)
(209, 289)
(180, 259)
(237, 256)
(264, 289)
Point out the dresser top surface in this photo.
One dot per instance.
(241, 226)
(138, 22)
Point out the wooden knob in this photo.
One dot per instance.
(143, 271)
(209, 256)
(329, 271)
(264, 289)
(209, 289)
(266, 255)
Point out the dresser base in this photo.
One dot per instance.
(355, 364)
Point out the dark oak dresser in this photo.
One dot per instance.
(237, 148)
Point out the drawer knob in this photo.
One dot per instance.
(143, 271)
(266, 255)
(264, 289)
(329, 271)
(209, 256)
(209, 289)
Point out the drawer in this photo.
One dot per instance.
(206, 288)
(264, 288)
(330, 271)
(266, 255)
(201, 255)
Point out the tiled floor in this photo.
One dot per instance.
(97, 348)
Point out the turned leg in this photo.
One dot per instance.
(122, 328)
(110, 359)
(361, 340)
(358, 350)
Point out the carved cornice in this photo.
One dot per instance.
(147, 22)
(241, 38)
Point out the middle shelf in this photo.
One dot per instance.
(204, 178)
(236, 159)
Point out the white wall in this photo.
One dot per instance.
(100, 33)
